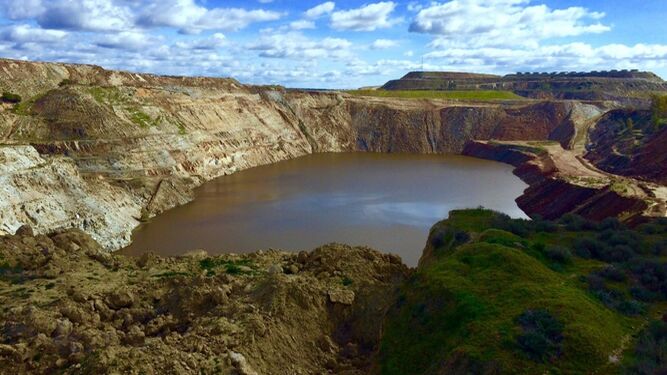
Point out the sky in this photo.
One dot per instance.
(337, 44)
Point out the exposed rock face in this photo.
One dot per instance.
(561, 183)
(102, 150)
(70, 307)
(626, 142)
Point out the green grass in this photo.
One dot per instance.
(239, 267)
(107, 95)
(458, 312)
(142, 119)
(485, 95)
(24, 108)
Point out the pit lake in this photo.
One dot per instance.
(384, 201)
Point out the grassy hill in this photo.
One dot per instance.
(495, 295)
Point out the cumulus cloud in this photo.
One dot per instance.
(129, 40)
(384, 44)
(320, 10)
(367, 18)
(122, 15)
(89, 15)
(296, 45)
(572, 56)
(28, 34)
(302, 25)
(189, 17)
(502, 22)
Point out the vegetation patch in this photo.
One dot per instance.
(142, 119)
(659, 110)
(485, 95)
(542, 335)
(232, 267)
(526, 296)
(8, 97)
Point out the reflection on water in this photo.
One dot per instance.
(386, 201)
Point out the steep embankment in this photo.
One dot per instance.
(562, 182)
(102, 150)
(630, 143)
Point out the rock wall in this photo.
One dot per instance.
(550, 193)
(113, 148)
(627, 142)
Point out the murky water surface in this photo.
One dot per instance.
(385, 201)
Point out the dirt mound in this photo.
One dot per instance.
(69, 306)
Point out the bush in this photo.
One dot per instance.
(519, 227)
(618, 253)
(612, 273)
(558, 254)
(643, 294)
(610, 223)
(577, 223)
(541, 225)
(626, 237)
(589, 248)
(650, 228)
(660, 248)
(650, 349)
(652, 275)
(631, 308)
(66, 82)
(10, 98)
(542, 335)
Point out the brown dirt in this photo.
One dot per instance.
(69, 307)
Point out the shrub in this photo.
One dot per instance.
(542, 335)
(447, 236)
(626, 237)
(519, 227)
(650, 228)
(650, 349)
(631, 308)
(595, 282)
(589, 248)
(651, 274)
(577, 223)
(10, 98)
(618, 253)
(66, 82)
(612, 273)
(558, 254)
(643, 294)
(540, 225)
(660, 248)
(610, 223)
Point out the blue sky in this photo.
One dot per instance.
(337, 44)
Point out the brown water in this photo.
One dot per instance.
(385, 201)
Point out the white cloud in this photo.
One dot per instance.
(296, 45)
(384, 44)
(479, 23)
(129, 40)
(90, 15)
(29, 34)
(573, 56)
(189, 17)
(367, 18)
(320, 10)
(302, 25)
